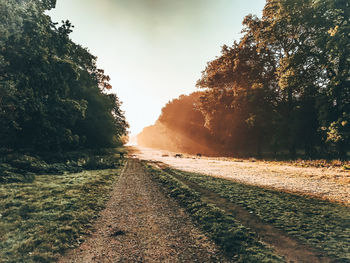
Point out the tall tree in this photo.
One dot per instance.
(333, 40)
(51, 85)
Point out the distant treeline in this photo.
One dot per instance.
(180, 127)
(284, 88)
(52, 95)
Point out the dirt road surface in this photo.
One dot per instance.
(330, 184)
(141, 224)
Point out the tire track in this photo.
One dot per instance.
(290, 248)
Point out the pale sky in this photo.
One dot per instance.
(154, 50)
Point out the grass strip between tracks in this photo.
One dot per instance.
(236, 240)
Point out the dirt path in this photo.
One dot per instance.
(140, 224)
(329, 184)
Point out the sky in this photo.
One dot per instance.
(154, 50)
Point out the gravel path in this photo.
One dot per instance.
(141, 224)
(329, 184)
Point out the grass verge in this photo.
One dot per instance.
(40, 219)
(320, 224)
(237, 241)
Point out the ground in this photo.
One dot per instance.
(327, 183)
(141, 224)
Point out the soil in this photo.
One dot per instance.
(141, 224)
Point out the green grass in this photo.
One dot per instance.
(237, 241)
(321, 224)
(40, 219)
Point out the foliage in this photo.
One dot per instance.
(52, 94)
(284, 87)
(284, 83)
(180, 127)
(41, 219)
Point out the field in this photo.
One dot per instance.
(43, 218)
(154, 210)
(330, 183)
(297, 227)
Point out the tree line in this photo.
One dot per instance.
(53, 97)
(283, 88)
(180, 127)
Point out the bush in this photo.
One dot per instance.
(18, 167)
(101, 162)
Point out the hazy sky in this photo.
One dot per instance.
(154, 50)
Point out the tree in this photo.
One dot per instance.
(50, 85)
(334, 42)
(239, 87)
(180, 127)
(286, 82)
